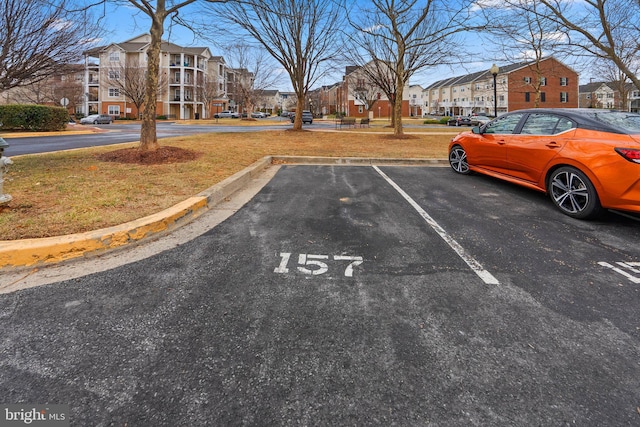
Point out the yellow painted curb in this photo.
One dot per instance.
(29, 252)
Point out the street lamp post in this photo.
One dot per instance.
(494, 70)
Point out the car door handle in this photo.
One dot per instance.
(501, 142)
(553, 144)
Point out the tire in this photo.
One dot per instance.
(573, 193)
(458, 160)
(95, 122)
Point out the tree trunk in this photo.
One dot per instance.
(148, 137)
(297, 122)
(397, 100)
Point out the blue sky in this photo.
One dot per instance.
(124, 22)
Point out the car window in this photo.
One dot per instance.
(564, 125)
(504, 124)
(629, 122)
(545, 124)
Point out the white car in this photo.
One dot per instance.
(227, 115)
(258, 115)
(95, 119)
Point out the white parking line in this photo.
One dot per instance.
(471, 262)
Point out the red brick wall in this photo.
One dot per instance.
(553, 71)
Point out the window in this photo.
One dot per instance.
(527, 97)
(545, 124)
(176, 77)
(114, 74)
(114, 92)
(114, 56)
(527, 80)
(360, 109)
(114, 110)
(543, 81)
(504, 124)
(543, 97)
(564, 81)
(564, 97)
(177, 95)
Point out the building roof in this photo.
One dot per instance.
(481, 75)
(141, 42)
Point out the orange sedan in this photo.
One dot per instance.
(587, 160)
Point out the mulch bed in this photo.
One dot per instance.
(162, 155)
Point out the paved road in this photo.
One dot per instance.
(120, 133)
(349, 296)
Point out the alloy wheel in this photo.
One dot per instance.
(458, 160)
(574, 194)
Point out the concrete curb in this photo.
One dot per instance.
(16, 254)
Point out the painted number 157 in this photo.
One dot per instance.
(316, 264)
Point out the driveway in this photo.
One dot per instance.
(343, 295)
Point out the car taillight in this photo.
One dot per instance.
(630, 154)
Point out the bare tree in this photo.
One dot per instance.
(39, 39)
(131, 80)
(298, 34)
(616, 80)
(40, 92)
(606, 29)
(158, 11)
(397, 38)
(255, 73)
(523, 33)
(208, 91)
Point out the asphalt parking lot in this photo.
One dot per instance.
(349, 295)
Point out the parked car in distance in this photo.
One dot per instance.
(459, 121)
(258, 115)
(227, 115)
(586, 160)
(307, 117)
(479, 120)
(95, 119)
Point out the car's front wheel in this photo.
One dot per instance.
(573, 193)
(458, 160)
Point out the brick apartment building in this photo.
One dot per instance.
(545, 84)
(193, 83)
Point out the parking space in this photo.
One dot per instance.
(345, 295)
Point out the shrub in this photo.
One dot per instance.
(444, 120)
(33, 117)
(432, 122)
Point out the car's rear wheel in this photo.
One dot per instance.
(573, 193)
(458, 160)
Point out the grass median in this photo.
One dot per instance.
(74, 191)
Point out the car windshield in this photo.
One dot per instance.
(628, 122)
